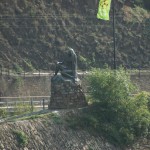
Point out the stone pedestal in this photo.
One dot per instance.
(66, 94)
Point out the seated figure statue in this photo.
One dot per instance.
(68, 67)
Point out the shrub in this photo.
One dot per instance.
(141, 114)
(3, 113)
(21, 137)
(107, 85)
(120, 117)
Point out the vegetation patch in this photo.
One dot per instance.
(120, 117)
(36, 116)
(21, 137)
(3, 113)
(57, 119)
(22, 108)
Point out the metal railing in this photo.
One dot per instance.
(9, 72)
(10, 106)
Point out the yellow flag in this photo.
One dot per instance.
(103, 9)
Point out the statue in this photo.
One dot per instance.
(68, 67)
(66, 90)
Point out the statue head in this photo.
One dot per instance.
(70, 51)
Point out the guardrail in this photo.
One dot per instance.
(10, 106)
(9, 72)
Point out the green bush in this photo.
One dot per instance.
(3, 113)
(107, 85)
(119, 116)
(21, 137)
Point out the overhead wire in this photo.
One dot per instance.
(52, 16)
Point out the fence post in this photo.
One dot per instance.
(43, 104)
(39, 72)
(24, 74)
(139, 72)
(1, 70)
(7, 105)
(8, 71)
(31, 105)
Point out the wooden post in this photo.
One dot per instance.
(139, 72)
(39, 72)
(24, 74)
(7, 105)
(1, 70)
(8, 71)
(31, 105)
(43, 104)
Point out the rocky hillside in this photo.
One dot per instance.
(50, 131)
(33, 34)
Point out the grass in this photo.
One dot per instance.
(21, 137)
(33, 116)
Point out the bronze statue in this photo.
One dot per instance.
(68, 67)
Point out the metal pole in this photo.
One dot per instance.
(114, 36)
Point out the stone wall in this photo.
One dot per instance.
(67, 94)
(35, 86)
(28, 86)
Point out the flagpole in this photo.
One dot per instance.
(114, 36)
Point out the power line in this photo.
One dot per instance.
(50, 16)
(73, 26)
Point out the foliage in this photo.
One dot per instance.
(146, 29)
(21, 137)
(137, 15)
(18, 82)
(28, 65)
(149, 101)
(114, 113)
(22, 108)
(139, 2)
(36, 116)
(84, 62)
(107, 85)
(3, 113)
(143, 3)
(17, 68)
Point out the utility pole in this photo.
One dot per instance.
(114, 36)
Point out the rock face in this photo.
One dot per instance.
(66, 94)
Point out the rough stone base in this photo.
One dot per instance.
(66, 94)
